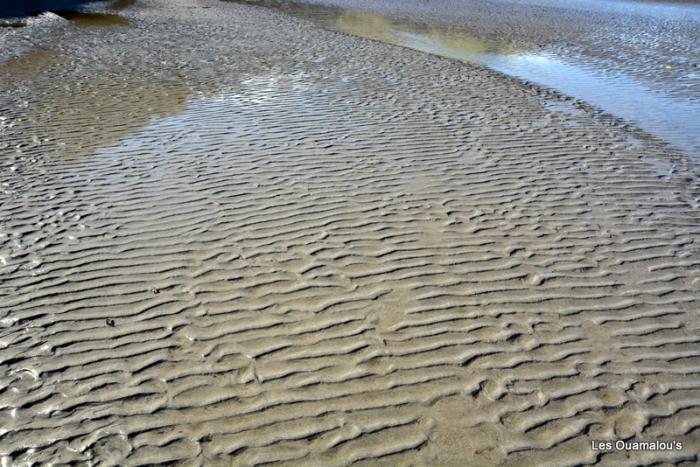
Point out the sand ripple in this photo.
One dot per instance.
(376, 267)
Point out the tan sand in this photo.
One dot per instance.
(228, 237)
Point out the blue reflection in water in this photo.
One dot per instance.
(676, 120)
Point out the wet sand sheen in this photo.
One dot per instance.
(358, 254)
(672, 118)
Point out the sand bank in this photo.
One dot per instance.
(599, 52)
(228, 237)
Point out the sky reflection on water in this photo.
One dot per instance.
(674, 119)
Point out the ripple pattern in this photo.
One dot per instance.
(373, 268)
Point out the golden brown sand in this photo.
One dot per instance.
(268, 243)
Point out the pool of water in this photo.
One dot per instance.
(12, 24)
(88, 19)
(121, 4)
(674, 119)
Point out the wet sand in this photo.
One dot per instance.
(655, 42)
(230, 237)
(600, 52)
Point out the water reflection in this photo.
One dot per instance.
(12, 24)
(418, 36)
(377, 27)
(72, 116)
(88, 20)
(28, 65)
(674, 119)
(121, 4)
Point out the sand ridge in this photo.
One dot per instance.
(361, 254)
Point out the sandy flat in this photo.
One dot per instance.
(228, 237)
(653, 42)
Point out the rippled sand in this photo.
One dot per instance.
(266, 242)
(655, 42)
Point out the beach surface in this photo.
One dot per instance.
(229, 236)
